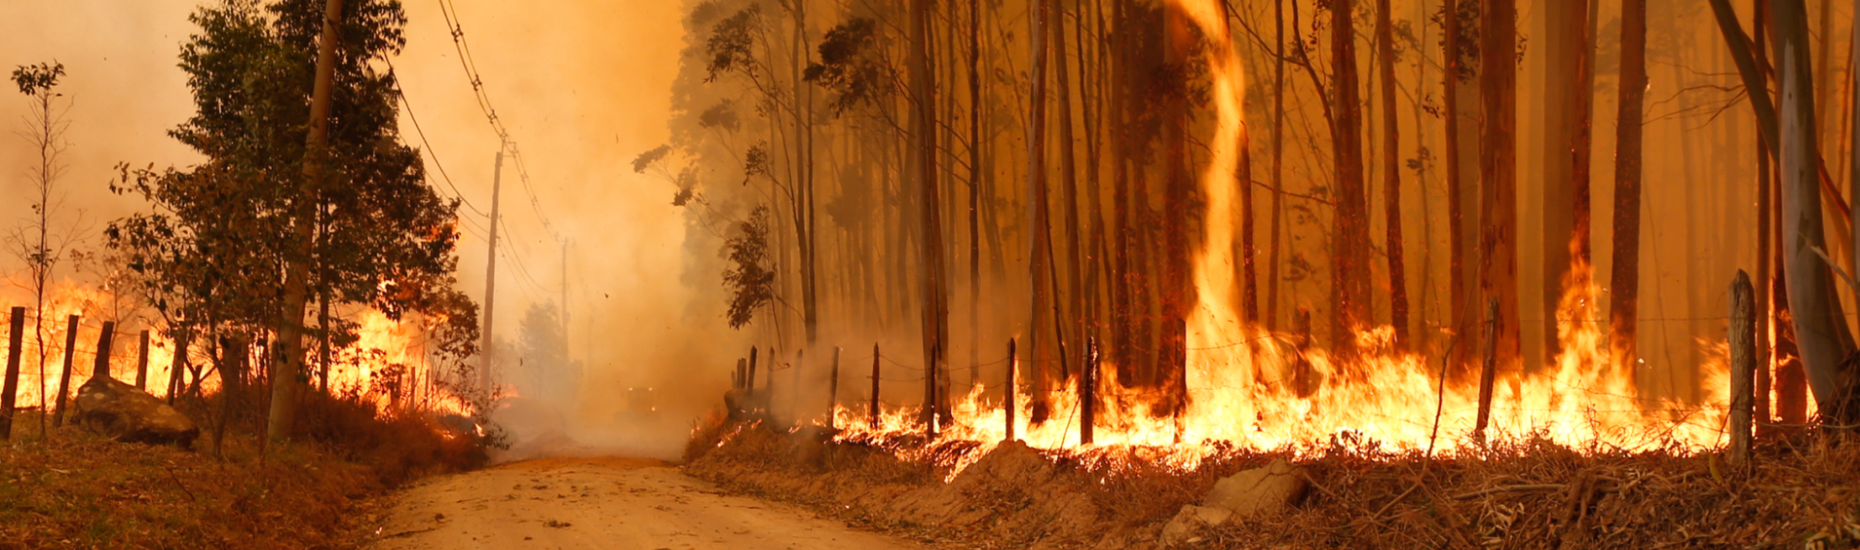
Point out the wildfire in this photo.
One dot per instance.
(388, 364)
(1241, 379)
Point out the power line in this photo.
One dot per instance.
(429, 145)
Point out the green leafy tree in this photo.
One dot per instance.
(216, 247)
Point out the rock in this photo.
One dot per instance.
(1191, 520)
(1245, 494)
(127, 414)
(1251, 492)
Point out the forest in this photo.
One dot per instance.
(1247, 212)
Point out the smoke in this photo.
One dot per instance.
(581, 85)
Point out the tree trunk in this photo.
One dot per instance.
(1567, 104)
(1278, 173)
(1624, 297)
(975, 191)
(297, 262)
(1821, 329)
(1391, 175)
(1037, 211)
(1460, 302)
(1176, 280)
(1498, 172)
(935, 305)
(1069, 328)
(1350, 243)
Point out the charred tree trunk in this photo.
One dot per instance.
(1498, 169)
(975, 191)
(1037, 212)
(1176, 280)
(1624, 297)
(933, 289)
(1462, 199)
(1569, 46)
(1391, 174)
(1278, 153)
(1349, 265)
(1069, 328)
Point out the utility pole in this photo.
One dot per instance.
(490, 281)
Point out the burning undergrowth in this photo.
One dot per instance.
(1529, 492)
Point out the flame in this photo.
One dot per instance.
(385, 349)
(1241, 378)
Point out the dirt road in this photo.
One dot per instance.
(603, 503)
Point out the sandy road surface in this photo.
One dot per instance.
(602, 503)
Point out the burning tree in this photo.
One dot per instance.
(217, 247)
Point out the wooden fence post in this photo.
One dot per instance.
(1010, 402)
(1088, 382)
(930, 415)
(142, 363)
(1743, 341)
(1489, 371)
(749, 384)
(102, 367)
(64, 379)
(833, 388)
(178, 365)
(794, 401)
(736, 376)
(15, 337)
(874, 421)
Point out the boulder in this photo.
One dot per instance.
(128, 414)
(1271, 488)
(1245, 494)
(1189, 521)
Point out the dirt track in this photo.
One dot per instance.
(602, 503)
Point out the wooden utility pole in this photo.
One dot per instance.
(64, 379)
(10, 388)
(1742, 339)
(297, 261)
(142, 362)
(487, 349)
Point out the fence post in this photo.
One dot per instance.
(1743, 341)
(1088, 383)
(15, 336)
(794, 401)
(736, 376)
(833, 389)
(874, 420)
(749, 384)
(930, 408)
(64, 379)
(1489, 371)
(1010, 403)
(142, 363)
(102, 368)
(178, 365)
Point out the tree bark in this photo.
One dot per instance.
(934, 292)
(1278, 173)
(290, 364)
(1349, 265)
(1037, 210)
(1391, 174)
(1568, 47)
(1498, 170)
(1624, 298)
(975, 191)
(1821, 329)
(1069, 328)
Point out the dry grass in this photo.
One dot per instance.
(1803, 491)
(75, 489)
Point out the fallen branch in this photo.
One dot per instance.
(1511, 489)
